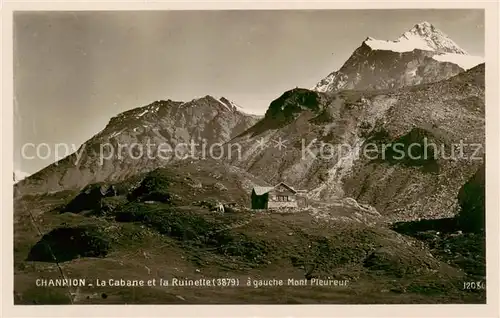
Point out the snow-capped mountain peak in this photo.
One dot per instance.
(423, 36)
(435, 38)
(422, 54)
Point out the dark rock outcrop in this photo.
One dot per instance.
(90, 198)
(471, 198)
(66, 243)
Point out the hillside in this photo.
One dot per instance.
(325, 135)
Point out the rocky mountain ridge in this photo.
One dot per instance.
(142, 139)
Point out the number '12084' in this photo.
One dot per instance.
(474, 285)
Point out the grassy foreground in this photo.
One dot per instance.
(134, 237)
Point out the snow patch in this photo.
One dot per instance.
(323, 85)
(141, 114)
(407, 43)
(116, 133)
(224, 104)
(233, 106)
(237, 107)
(334, 81)
(464, 61)
(20, 175)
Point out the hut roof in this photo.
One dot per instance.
(264, 190)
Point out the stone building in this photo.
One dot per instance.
(279, 196)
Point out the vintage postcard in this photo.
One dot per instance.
(264, 154)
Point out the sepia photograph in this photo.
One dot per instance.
(305, 156)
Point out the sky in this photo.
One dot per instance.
(73, 71)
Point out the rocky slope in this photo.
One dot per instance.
(445, 114)
(423, 54)
(317, 141)
(140, 132)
